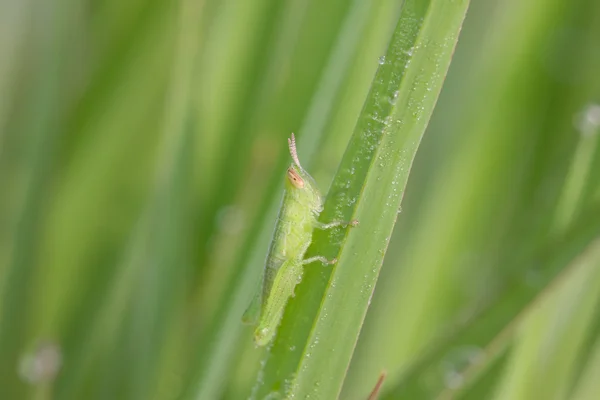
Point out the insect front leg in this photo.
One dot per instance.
(334, 224)
(322, 259)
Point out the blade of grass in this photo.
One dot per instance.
(113, 121)
(581, 168)
(13, 21)
(49, 23)
(370, 179)
(586, 354)
(588, 386)
(159, 293)
(423, 379)
(126, 334)
(542, 361)
(487, 380)
(99, 193)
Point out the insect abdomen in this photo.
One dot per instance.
(288, 276)
(292, 236)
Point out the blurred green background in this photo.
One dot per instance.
(141, 143)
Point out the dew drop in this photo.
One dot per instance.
(457, 361)
(42, 365)
(587, 122)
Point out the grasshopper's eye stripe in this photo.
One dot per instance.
(293, 152)
(295, 179)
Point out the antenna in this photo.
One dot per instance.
(293, 153)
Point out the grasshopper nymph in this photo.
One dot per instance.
(300, 207)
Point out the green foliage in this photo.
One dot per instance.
(142, 161)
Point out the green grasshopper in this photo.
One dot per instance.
(300, 207)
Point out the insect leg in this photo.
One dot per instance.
(321, 259)
(333, 224)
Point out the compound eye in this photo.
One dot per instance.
(295, 178)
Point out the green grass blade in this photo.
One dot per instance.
(579, 173)
(98, 197)
(480, 331)
(588, 386)
(586, 361)
(38, 137)
(368, 186)
(542, 362)
(163, 265)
